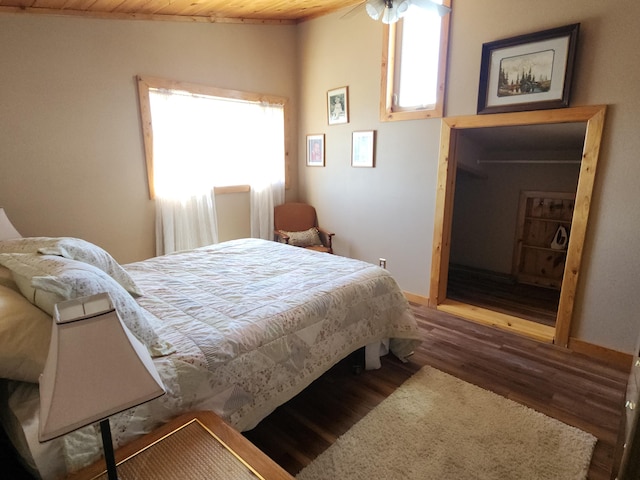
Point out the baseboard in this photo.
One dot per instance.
(606, 355)
(415, 298)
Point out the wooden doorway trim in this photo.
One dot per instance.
(451, 128)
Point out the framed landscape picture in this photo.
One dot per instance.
(528, 72)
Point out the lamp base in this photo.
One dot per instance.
(107, 446)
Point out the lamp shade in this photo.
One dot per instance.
(395, 10)
(375, 8)
(391, 11)
(95, 368)
(402, 7)
(7, 230)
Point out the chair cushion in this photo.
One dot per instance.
(305, 238)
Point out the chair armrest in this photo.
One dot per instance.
(280, 236)
(325, 237)
(325, 232)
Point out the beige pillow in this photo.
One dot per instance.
(25, 333)
(307, 238)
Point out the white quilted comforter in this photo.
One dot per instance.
(253, 323)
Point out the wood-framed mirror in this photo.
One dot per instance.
(546, 128)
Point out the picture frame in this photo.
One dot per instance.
(528, 72)
(363, 146)
(338, 106)
(315, 150)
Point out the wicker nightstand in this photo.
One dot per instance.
(193, 446)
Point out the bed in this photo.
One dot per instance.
(238, 328)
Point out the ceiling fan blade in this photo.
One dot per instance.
(353, 11)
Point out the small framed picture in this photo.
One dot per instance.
(315, 150)
(338, 105)
(528, 72)
(363, 148)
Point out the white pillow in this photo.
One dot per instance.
(25, 333)
(306, 238)
(48, 279)
(75, 249)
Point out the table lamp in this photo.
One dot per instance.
(7, 230)
(95, 368)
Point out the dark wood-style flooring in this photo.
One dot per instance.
(567, 386)
(501, 293)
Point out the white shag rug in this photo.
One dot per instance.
(435, 426)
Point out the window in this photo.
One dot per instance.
(198, 138)
(414, 65)
(200, 141)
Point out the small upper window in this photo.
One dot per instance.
(414, 65)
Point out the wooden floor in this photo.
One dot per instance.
(501, 293)
(570, 387)
(563, 385)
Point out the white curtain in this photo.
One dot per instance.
(183, 174)
(267, 181)
(201, 141)
(185, 224)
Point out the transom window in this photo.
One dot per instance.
(414, 65)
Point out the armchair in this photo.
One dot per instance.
(297, 224)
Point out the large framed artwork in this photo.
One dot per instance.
(528, 72)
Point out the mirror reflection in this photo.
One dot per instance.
(513, 207)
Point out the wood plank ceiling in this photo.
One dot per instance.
(214, 11)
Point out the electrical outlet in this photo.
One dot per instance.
(382, 262)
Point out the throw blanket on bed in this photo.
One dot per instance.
(253, 323)
(261, 317)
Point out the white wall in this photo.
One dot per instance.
(72, 163)
(71, 153)
(388, 211)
